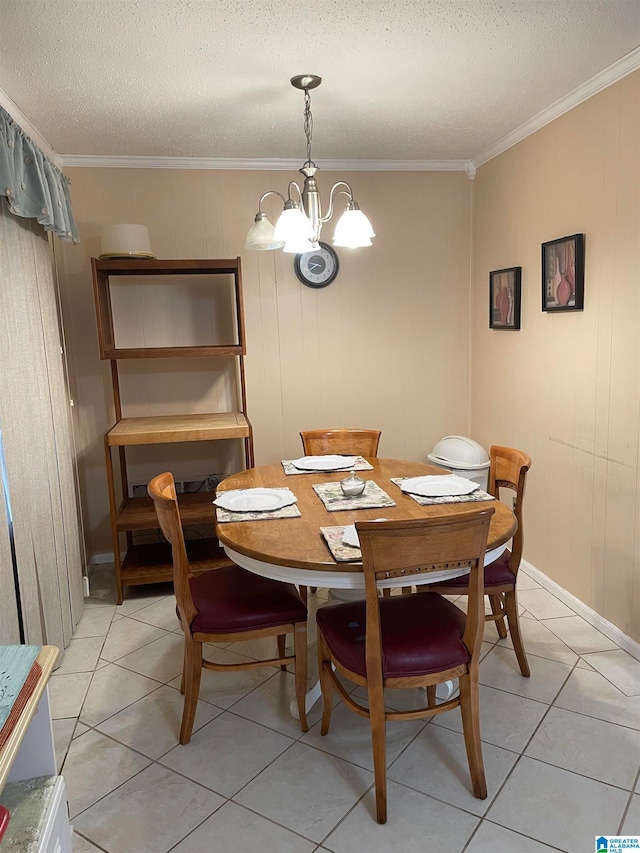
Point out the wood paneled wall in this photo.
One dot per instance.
(386, 345)
(566, 388)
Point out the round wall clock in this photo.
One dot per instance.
(317, 268)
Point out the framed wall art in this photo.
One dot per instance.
(505, 298)
(563, 274)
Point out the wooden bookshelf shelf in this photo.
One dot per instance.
(151, 563)
(139, 514)
(171, 428)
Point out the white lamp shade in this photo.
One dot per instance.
(126, 240)
(292, 225)
(353, 230)
(260, 237)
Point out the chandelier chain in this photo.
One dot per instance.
(308, 125)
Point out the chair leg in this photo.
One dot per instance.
(379, 743)
(282, 641)
(326, 685)
(184, 667)
(192, 672)
(300, 651)
(470, 710)
(304, 593)
(511, 606)
(431, 696)
(386, 592)
(496, 607)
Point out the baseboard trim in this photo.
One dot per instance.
(595, 619)
(99, 559)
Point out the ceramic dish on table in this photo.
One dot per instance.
(438, 486)
(350, 534)
(324, 463)
(255, 500)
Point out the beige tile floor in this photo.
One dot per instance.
(561, 749)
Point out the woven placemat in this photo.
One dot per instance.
(361, 464)
(340, 552)
(290, 511)
(373, 496)
(478, 495)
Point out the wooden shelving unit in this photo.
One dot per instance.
(151, 563)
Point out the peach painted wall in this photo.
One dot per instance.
(386, 345)
(566, 388)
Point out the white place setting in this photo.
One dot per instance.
(324, 463)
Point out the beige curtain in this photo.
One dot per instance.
(38, 447)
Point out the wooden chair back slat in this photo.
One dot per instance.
(360, 442)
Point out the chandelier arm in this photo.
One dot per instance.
(294, 184)
(265, 195)
(348, 192)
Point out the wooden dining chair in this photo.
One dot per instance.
(417, 640)
(227, 605)
(360, 442)
(321, 442)
(508, 470)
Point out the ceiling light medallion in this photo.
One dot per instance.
(298, 227)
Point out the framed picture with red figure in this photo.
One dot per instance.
(563, 274)
(505, 298)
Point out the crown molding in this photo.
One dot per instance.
(98, 161)
(32, 132)
(624, 66)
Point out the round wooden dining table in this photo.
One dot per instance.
(294, 549)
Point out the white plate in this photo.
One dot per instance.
(438, 486)
(350, 534)
(324, 463)
(255, 500)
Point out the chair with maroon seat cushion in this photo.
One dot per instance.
(409, 641)
(508, 470)
(356, 442)
(227, 605)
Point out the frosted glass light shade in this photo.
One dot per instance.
(298, 246)
(353, 230)
(293, 225)
(260, 237)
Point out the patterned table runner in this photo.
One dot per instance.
(478, 495)
(361, 464)
(331, 496)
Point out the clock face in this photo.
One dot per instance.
(317, 268)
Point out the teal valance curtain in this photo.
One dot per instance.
(32, 185)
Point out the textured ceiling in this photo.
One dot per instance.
(410, 79)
